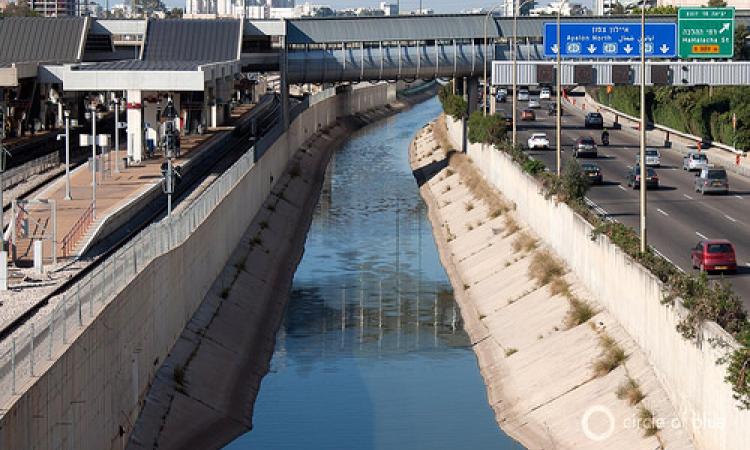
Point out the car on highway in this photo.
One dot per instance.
(523, 95)
(634, 177)
(545, 93)
(552, 110)
(538, 140)
(528, 114)
(503, 91)
(694, 161)
(593, 173)
(501, 97)
(712, 179)
(714, 254)
(534, 103)
(585, 146)
(593, 120)
(653, 157)
(508, 121)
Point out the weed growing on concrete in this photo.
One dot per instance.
(507, 263)
(469, 226)
(510, 351)
(469, 206)
(178, 375)
(511, 226)
(450, 236)
(612, 356)
(647, 422)
(271, 207)
(545, 267)
(559, 286)
(295, 170)
(482, 316)
(263, 225)
(466, 287)
(524, 242)
(449, 172)
(224, 293)
(580, 312)
(447, 188)
(630, 392)
(495, 213)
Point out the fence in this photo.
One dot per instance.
(36, 166)
(47, 335)
(71, 239)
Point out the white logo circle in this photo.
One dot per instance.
(594, 436)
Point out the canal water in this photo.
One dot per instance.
(371, 353)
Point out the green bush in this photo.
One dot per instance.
(453, 105)
(490, 129)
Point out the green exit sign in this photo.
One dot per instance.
(705, 32)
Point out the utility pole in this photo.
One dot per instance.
(558, 125)
(515, 90)
(3, 153)
(170, 136)
(117, 135)
(66, 136)
(643, 169)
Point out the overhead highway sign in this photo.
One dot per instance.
(610, 40)
(706, 32)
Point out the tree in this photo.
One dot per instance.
(618, 9)
(717, 3)
(20, 9)
(741, 33)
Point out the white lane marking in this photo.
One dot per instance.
(620, 186)
(658, 209)
(688, 197)
(733, 220)
(739, 197)
(700, 235)
(669, 260)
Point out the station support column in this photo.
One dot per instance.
(135, 126)
(473, 91)
(284, 85)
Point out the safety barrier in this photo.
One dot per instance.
(12, 177)
(70, 240)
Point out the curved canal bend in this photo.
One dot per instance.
(371, 353)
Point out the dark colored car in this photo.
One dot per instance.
(501, 98)
(594, 120)
(585, 147)
(593, 173)
(634, 177)
(714, 254)
(528, 114)
(552, 110)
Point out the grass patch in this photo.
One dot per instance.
(511, 226)
(524, 242)
(545, 267)
(612, 356)
(580, 312)
(511, 351)
(630, 392)
(559, 286)
(178, 375)
(647, 422)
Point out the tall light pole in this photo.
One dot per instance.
(558, 120)
(91, 107)
(486, 18)
(170, 135)
(516, 9)
(644, 171)
(66, 136)
(117, 134)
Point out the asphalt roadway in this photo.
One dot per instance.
(678, 217)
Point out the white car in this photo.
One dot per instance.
(503, 91)
(545, 94)
(534, 103)
(694, 161)
(538, 140)
(653, 157)
(523, 95)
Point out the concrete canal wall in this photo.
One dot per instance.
(91, 395)
(687, 370)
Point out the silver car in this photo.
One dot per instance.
(694, 161)
(534, 104)
(653, 157)
(712, 179)
(523, 95)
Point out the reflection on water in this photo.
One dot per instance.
(371, 353)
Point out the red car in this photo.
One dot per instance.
(714, 254)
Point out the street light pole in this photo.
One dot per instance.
(644, 171)
(484, 96)
(515, 90)
(117, 135)
(558, 120)
(67, 154)
(91, 106)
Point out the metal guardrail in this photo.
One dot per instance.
(75, 233)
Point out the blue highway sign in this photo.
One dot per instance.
(610, 40)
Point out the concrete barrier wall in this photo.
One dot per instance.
(686, 369)
(91, 395)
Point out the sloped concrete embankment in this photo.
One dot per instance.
(204, 394)
(549, 354)
(91, 395)
(687, 370)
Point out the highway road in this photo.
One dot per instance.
(678, 217)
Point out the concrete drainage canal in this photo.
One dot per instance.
(371, 353)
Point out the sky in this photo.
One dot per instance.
(440, 6)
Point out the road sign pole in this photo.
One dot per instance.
(558, 120)
(644, 171)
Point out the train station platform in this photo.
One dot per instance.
(77, 223)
